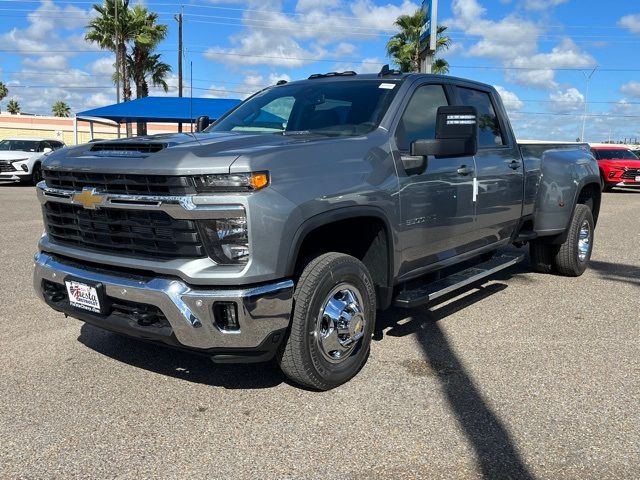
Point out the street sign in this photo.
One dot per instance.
(428, 37)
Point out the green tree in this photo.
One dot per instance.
(143, 64)
(113, 34)
(13, 107)
(60, 109)
(4, 91)
(404, 46)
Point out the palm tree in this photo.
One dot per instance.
(143, 65)
(404, 46)
(103, 30)
(4, 91)
(60, 109)
(13, 107)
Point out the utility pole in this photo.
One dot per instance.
(586, 99)
(117, 53)
(179, 20)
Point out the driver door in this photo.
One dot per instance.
(437, 208)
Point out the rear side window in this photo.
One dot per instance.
(418, 121)
(489, 132)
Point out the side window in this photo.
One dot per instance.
(489, 132)
(418, 121)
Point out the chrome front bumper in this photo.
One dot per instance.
(262, 310)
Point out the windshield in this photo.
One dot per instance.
(327, 108)
(19, 145)
(615, 154)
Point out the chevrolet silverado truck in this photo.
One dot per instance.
(283, 227)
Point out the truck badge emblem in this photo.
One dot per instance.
(89, 199)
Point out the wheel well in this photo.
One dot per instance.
(365, 238)
(591, 196)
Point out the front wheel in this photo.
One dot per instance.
(36, 175)
(332, 322)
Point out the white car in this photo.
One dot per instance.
(20, 158)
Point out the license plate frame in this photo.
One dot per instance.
(85, 295)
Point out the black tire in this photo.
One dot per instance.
(542, 256)
(607, 187)
(36, 174)
(303, 357)
(569, 261)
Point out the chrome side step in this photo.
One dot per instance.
(426, 293)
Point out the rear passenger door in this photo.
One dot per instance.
(499, 169)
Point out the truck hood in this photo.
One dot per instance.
(173, 154)
(16, 154)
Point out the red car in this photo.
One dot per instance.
(619, 167)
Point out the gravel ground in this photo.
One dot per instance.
(528, 376)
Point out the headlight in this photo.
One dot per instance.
(226, 240)
(233, 182)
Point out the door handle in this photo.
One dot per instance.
(464, 170)
(514, 165)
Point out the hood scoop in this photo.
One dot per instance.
(126, 149)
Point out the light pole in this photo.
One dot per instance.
(586, 99)
(117, 53)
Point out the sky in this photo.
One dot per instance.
(537, 53)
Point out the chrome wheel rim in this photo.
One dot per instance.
(341, 323)
(584, 241)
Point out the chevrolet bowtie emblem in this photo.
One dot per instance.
(89, 199)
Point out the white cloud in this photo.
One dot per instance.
(308, 5)
(631, 22)
(103, 66)
(368, 65)
(542, 4)
(48, 62)
(510, 100)
(273, 37)
(98, 100)
(631, 88)
(514, 42)
(43, 34)
(570, 100)
(565, 55)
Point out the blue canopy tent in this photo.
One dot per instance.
(156, 109)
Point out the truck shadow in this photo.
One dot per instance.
(616, 272)
(182, 365)
(496, 453)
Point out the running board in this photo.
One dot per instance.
(425, 294)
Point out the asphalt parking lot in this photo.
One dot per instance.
(528, 376)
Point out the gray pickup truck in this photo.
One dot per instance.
(280, 229)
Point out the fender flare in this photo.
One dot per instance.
(335, 215)
(562, 237)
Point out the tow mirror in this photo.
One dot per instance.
(202, 122)
(456, 134)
